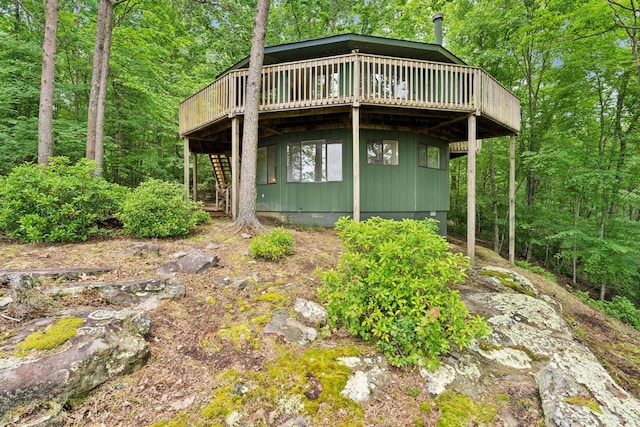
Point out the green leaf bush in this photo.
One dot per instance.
(619, 307)
(537, 269)
(159, 209)
(391, 286)
(61, 202)
(272, 245)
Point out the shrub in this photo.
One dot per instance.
(272, 245)
(160, 209)
(60, 202)
(619, 307)
(538, 270)
(622, 309)
(392, 286)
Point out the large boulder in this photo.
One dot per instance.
(107, 343)
(144, 294)
(531, 342)
(192, 262)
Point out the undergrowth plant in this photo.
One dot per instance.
(619, 307)
(391, 286)
(272, 245)
(160, 209)
(537, 269)
(59, 202)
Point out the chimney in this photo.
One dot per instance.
(437, 28)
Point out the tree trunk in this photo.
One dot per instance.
(102, 92)
(630, 25)
(603, 285)
(494, 199)
(16, 24)
(45, 116)
(574, 260)
(247, 202)
(98, 49)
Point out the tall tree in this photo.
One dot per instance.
(102, 91)
(247, 202)
(627, 17)
(45, 116)
(99, 79)
(98, 50)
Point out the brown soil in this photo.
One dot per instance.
(193, 340)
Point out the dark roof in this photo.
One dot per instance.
(346, 43)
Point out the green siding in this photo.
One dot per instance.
(432, 185)
(268, 197)
(392, 191)
(404, 187)
(307, 196)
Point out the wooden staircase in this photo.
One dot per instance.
(221, 163)
(222, 169)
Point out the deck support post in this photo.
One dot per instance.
(471, 190)
(356, 163)
(512, 199)
(195, 176)
(186, 164)
(235, 165)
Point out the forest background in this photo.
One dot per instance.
(573, 64)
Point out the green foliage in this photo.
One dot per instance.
(621, 308)
(56, 203)
(54, 336)
(538, 270)
(392, 286)
(160, 209)
(272, 245)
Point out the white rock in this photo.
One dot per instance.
(350, 362)
(370, 375)
(518, 278)
(357, 387)
(311, 311)
(438, 380)
(577, 372)
(233, 419)
(510, 357)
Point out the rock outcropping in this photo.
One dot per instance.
(531, 341)
(108, 343)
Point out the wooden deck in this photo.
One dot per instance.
(356, 79)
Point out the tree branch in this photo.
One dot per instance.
(599, 33)
(620, 6)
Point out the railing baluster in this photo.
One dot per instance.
(382, 80)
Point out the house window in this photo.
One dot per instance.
(382, 152)
(266, 165)
(430, 156)
(314, 161)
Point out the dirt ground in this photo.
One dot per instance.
(216, 331)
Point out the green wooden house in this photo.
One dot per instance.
(350, 125)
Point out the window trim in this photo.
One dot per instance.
(442, 165)
(271, 166)
(395, 152)
(325, 158)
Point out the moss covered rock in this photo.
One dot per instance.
(55, 359)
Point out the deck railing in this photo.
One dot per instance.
(356, 79)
